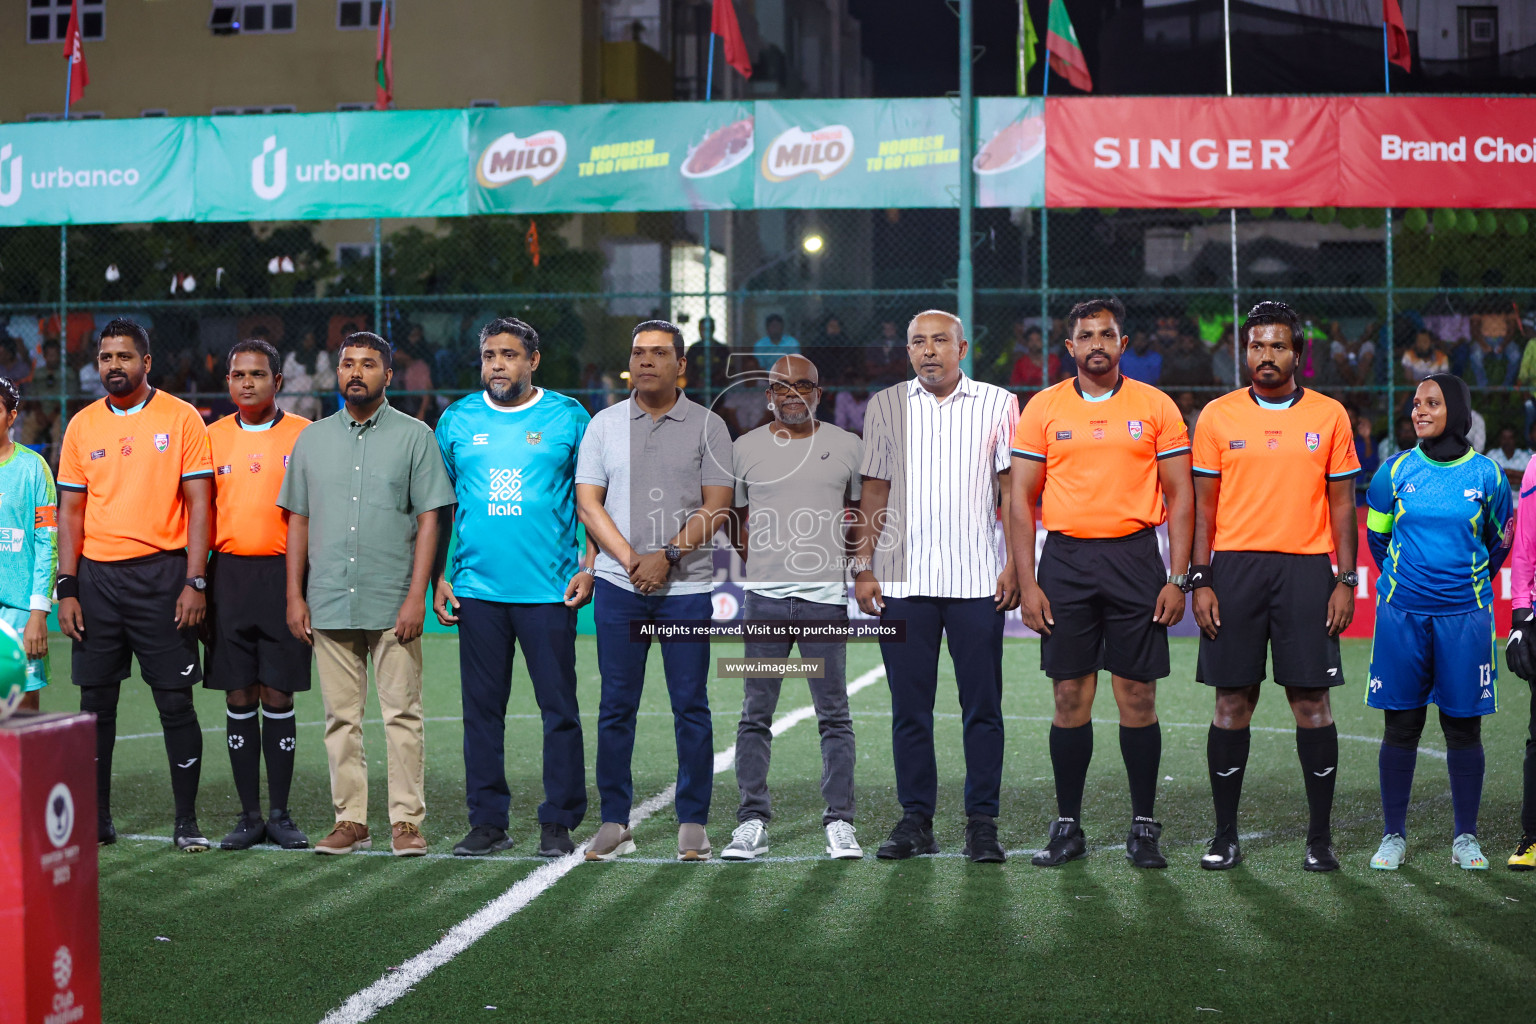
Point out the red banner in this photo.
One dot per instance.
(1436, 151)
(1190, 151)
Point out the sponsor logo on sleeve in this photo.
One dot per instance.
(1236, 445)
(99, 453)
(225, 470)
(1063, 435)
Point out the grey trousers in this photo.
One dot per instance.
(760, 697)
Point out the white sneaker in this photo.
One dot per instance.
(840, 842)
(748, 842)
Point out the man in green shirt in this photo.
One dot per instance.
(366, 483)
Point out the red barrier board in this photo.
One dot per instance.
(1191, 151)
(1437, 151)
(49, 928)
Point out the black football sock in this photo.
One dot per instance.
(183, 747)
(1142, 749)
(244, 735)
(102, 702)
(1528, 806)
(1071, 750)
(1226, 755)
(1318, 750)
(278, 734)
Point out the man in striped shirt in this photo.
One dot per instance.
(936, 459)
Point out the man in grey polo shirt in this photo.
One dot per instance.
(795, 479)
(365, 484)
(653, 483)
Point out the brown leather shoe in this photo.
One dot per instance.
(406, 840)
(344, 838)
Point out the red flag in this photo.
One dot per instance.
(723, 23)
(74, 52)
(384, 64)
(1065, 55)
(533, 241)
(1397, 35)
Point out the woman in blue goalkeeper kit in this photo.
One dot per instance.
(1438, 523)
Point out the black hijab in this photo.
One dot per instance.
(1451, 443)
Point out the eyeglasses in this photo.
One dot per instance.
(803, 387)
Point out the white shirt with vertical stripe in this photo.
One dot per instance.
(941, 534)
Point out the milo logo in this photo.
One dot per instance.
(537, 158)
(823, 152)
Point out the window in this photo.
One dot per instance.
(354, 106)
(153, 112)
(74, 115)
(48, 20)
(358, 13)
(252, 17)
(484, 103)
(280, 108)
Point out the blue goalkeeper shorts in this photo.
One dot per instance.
(37, 668)
(1445, 660)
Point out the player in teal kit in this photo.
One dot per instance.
(29, 545)
(1438, 526)
(510, 451)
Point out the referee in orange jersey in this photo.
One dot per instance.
(1275, 469)
(135, 482)
(1111, 455)
(252, 655)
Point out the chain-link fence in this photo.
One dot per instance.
(1452, 288)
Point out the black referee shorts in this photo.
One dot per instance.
(130, 611)
(1103, 594)
(1271, 600)
(248, 639)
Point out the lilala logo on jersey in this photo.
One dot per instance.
(1134, 426)
(1313, 440)
(506, 491)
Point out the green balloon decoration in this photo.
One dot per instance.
(1375, 217)
(1324, 214)
(1466, 222)
(1262, 212)
(1416, 219)
(1516, 223)
(1350, 217)
(1207, 212)
(1297, 212)
(1487, 223)
(1445, 221)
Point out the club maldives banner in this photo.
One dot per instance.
(329, 166)
(647, 156)
(1103, 151)
(1291, 151)
(895, 153)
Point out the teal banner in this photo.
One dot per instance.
(96, 172)
(896, 153)
(405, 163)
(639, 156)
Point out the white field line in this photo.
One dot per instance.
(392, 986)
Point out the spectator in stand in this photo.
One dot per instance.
(1026, 370)
(693, 378)
(1477, 434)
(1141, 360)
(830, 350)
(1400, 440)
(1352, 360)
(774, 342)
(1424, 358)
(1366, 451)
(15, 363)
(850, 404)
(414, 374)
(1495, 334)
(305, 369)
(744, 406)
(1188, 409)
(1187, 364)
(1511, 458)
(885, 361)
(1221, 361)
(87, 380)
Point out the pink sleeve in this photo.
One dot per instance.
(1522, 558)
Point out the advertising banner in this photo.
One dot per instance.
(405, 163)
(639, 156)
(1193, 151)
(96, 172)
(1437, 151)
(1010, 151)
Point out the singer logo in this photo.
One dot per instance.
(13, 189)
(279, 182)
(824, 151)
(537, 158)
(1201, 154)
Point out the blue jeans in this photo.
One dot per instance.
(489, 633)
(621, 662)
(1511, 351)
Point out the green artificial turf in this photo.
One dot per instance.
(280, 936)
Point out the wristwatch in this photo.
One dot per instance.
(589, 570)
(674, 554)
(1349, 579)
(858, 565)
(198, 583)
(1179, 580)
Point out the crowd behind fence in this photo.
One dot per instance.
(1385, 303)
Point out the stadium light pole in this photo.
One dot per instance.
(965, 270)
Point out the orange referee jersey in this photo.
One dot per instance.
(1274, 461)
(1101, 456)
(249, 466)
(130, 467)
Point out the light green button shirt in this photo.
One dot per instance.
(362, 485)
